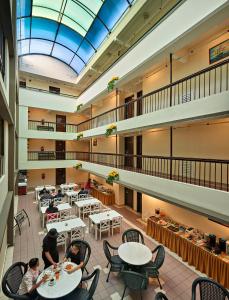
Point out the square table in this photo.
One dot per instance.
(62, 206)
(107, 215)
(91, 201)
(68, 186)
(67, 225)
(69, 195)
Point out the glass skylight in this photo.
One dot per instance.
(69, 30)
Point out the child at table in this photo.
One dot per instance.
(75, 255)
(28, 285)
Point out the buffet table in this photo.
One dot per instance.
(105, 198)
(215, 266)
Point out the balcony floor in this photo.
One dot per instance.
(176, 277)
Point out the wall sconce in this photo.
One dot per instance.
(43, 176)
(42, 148)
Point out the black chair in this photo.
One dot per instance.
(160, 296)
(134, 281)
(82, 293)
(153, 266)
(114, 261)
(208, 290)
(132, 235)
(85, 250)
(12, 280)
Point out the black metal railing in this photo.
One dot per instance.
(48, 91)
(206, 82)
(212, 173)
(1, 165)
(51, 126)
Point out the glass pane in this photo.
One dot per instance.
(62, 53)
(25, 28)
(40, 46)
(111, 11)
(93, 5)
(68, 38)
(68, 22)
(23, 47)
(85, 51)
(54, 4)
(43, 28)
(97, 33)
(77, 64)
(45, 13)
(78, 14)
(23, 8)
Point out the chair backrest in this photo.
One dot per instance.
(116, 221)
(134, 280)
(58, 200)
(44, 202)
(52, 217)
(94, 283)
(86, 208)
(107, 250)
(160, 296)
(132, 235)
(85, 250)
(208, 290)
(104, 224)
(65, 214)
(12, 279)
(76, 233)
(160, 256)
(83, 196)
(95, 206)
(61, 238)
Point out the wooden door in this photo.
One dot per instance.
(60, 176)
(129, 149)
(129, 197)
(139, 151)
(60, 149)
(139, 202)
(129, 109)
(60, 123)
(139, 104)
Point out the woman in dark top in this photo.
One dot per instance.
(50, 254)
(51, 209)
(75, 255)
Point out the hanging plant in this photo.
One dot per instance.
(112, 176)
(78, 166)
(110, 129)
(79, 136)
(111, 83)
(78, 108)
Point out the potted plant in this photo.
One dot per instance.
(112, 176)
(79, 136)
(78, 166)
(110, 129)
(111, 83)
(78, 108)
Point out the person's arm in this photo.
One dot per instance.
(36, 285)
(76, 268)
(49, 258)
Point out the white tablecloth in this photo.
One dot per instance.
(66, 225)
(134, 253)
(91, 201)
(107, 215)
(70, 194)
(68, 186)
(63, 286)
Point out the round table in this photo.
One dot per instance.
(135, 254)
(63, 286)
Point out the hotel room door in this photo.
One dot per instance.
(60, 149)
(129, 197)
(60, 176)
(60, 123)
(129, 149)
(129, 109)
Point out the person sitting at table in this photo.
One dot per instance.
(51, 208)
(88, 185)
(75, 255)
(82, 192)
(50, 253)
(28, 285)
(59, 194)
(46, 195)
(43, 191)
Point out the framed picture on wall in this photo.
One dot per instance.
(94, 142)
(219, 51)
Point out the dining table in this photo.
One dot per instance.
(63, 283)
(95, 219)
(67, 225)
(69, 195)
(61, 207)
(40, 188)
(135, 254)
(82, 203)
(68, 186)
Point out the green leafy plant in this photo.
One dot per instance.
(112, 176)
(111, 83)
(110, 129)
(78, 166)
(79, 136)
(78, 108)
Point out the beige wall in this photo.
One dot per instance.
(105, 145)
(182, 216)
(72, 175)
(156, 142)
(50, 145)
(37, 114)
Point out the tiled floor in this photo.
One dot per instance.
(175, 276)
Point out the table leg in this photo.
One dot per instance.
(96, 232)
(43, 220)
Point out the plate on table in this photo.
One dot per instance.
(68, 267)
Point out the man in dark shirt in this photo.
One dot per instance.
(75, 255)
(59, 194)
(46, 195)
(83, 192)
(51, 209)
(50, 254)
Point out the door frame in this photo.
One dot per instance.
(60, 123)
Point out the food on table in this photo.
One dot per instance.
(68, 267)
(162, 222)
